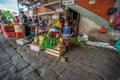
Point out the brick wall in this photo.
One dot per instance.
(100, 7)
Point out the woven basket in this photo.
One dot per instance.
(19, 28)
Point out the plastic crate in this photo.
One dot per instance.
(8, 29)
(117, 45)
(8, 34)
(20, 34)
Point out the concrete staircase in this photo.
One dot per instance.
(88, 14)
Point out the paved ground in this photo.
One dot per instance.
(83, 63)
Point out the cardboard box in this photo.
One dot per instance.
(35, 47)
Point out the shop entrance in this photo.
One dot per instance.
(74, 19)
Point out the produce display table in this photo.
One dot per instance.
(47, 39)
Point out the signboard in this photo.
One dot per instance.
(69, 2)
(59, 10)
(92, 1)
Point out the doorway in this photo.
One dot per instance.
(74, 19)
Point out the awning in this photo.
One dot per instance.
(46, 13)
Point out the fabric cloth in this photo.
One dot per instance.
(58, 24)
(42, 24)
(67, 30)
(27, 29)
(24, 17)
(36, 21)
(66, 36)
(16, 21)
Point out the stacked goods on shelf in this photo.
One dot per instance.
(19, 31)
(8, 30)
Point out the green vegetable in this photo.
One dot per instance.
(8, 14)
(49, 43)
(8, 25)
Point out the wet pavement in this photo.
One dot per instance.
(83, 63)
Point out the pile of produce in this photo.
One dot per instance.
(41, 38)
(75, 41)
(50, 43)
(8, 25)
